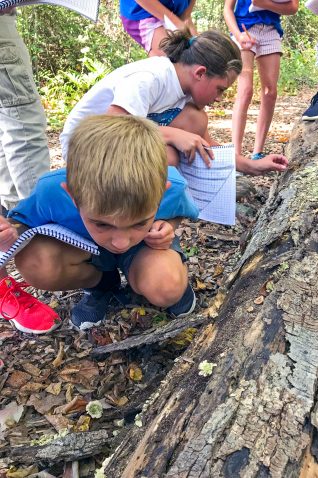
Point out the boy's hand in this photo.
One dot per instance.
(8, 234)
(160, 235)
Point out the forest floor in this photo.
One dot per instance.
(46, 381)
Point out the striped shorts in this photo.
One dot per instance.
(267, 38)
(142, 30)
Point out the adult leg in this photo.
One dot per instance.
(158, 275)
(268, 68)
(24, 153)
(243, 98)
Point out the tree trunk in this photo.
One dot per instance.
(256, 415)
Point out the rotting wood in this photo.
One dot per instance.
(151, 336)
(71, 447)
(256, 415)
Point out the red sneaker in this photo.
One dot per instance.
(26, 312)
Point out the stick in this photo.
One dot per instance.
(245, 30)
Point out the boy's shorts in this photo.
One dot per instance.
(268, 40)
(142, 30)
(108, 261)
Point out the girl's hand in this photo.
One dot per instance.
(160, 235)
(189, 144)
(246, 41)
(271, 162)
(8, 234)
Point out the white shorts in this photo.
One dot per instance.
(267, 38)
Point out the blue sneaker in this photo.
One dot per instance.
(185, 305)
(257, 156)
(92, 308)
(311, 113)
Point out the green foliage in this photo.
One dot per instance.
(298, 69)
(70, 53)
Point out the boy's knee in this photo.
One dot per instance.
(40, 265)
(163, 291)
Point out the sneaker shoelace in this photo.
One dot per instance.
(13, 292)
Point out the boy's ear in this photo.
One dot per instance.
(65, 187)
(199, 72)
(168, 185)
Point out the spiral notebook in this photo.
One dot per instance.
(52, 230)
(87, 8)
(213, 189)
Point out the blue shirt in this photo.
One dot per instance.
(131, 10)
(266, 17)
(50, 203)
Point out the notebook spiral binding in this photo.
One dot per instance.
(51, 230)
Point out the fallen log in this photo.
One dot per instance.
(69, 448)
(152, 336)
(254, 412)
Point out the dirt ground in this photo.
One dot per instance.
(47, 381)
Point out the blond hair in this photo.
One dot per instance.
(117, 165)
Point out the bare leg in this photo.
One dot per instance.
(158, 35)
(158, 275)
(49, 264)
(268, 67)
(243, 98)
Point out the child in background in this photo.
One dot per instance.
(259, 36)
(173, 91)
(113, 192)
(311, 113)
(144, 20)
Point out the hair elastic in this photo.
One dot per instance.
(191, 40)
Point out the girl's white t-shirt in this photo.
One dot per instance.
(143, 87)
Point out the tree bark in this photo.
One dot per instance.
(256, 415)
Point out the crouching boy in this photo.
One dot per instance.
(114, 192)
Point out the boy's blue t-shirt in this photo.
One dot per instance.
(50, 203)
(131, 10)
(266, 17)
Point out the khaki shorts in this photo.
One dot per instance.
(267, 38)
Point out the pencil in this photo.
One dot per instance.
(245, 30)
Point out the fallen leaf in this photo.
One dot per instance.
(135, 372)
(218, 270)
(259, 300)
(43, 403)
(59, 422)
(200, 285)
(22, 472)
(7, 334)
(59, 358)
(17, 379)
(32, 369)
(83, 373)
(10, 415)
(31, 387)
(120, 401)
(83, 424)
(78, 404)
(54, 388)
